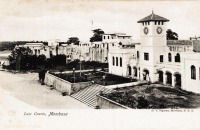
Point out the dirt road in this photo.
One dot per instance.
(25, 88)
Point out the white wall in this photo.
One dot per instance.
(189, 59)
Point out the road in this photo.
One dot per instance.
(24, 90)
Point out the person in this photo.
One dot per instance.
(43, 76)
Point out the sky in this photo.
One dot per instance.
(61, 19)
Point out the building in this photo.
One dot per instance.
(156, 59)
(99, 50)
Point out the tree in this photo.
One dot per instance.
(171, 35)
(16, 55)
(74, 40)
(97, 35)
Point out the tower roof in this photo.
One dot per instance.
(153, 17)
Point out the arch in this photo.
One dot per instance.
(169, 57)
(145, 74)
(135, 71)
(160, 76)
(177, 79)
(169, 77)
(113, 60)
(129, 70)
(177, 58)
(193, 72)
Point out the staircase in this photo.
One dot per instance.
(88, 95)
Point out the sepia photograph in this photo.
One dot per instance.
(102, 64)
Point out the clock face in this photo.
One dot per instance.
(159, 30)
(146, 30)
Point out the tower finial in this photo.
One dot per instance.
(152, 14)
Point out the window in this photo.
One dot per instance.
(138, 55)
(120, 62)
(161, 58)
(158, 22)
(169, 57)
(155, 22)
(177, 57)
(193, 72)
(108, 37)
(162, 23)
(113, 60)
(146, 56)
(104, 37)
(135, 71)
(116, 61)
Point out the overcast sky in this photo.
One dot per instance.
(61, 19)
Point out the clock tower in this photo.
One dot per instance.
(153, 45)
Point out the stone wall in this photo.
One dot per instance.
(78, 86)
(105, 103)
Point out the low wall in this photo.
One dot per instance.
(105, 103)
(122, 85)
(63, 85)
(78, 86)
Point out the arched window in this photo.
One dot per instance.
(135, 71)
(129, 70)
(120, 62)
(169, 57)
(177, 57)
(116, 61)
(113, 60)
(193, 72)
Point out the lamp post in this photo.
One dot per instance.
(74, 74)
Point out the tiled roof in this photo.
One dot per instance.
(179, 42)
(153, 17)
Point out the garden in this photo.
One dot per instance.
(97, 77)
(154, 96)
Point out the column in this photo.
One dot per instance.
(173, 80)
(164, 78)
(133, 74)
(138, 73)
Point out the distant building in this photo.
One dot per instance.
(99, 50)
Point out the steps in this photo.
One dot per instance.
(88, 95)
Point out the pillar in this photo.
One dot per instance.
(164, 78)
(173, 80)
(133, 72)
